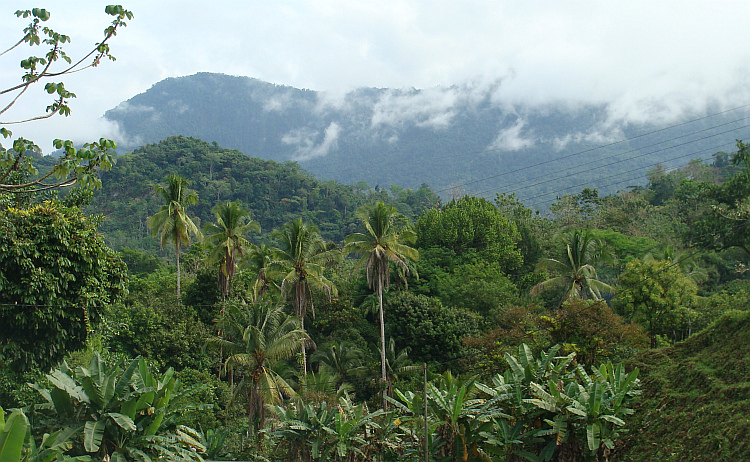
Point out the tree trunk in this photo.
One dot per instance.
(177, 248)
(304, 353)
(383, 377)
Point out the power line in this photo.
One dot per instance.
(481, 193)
(614, 143)
(510, 186)
(567, 156)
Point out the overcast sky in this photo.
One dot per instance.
(652, 60)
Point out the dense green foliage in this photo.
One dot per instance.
(58, 278)
(509, 376)
(274, 193)
(118, 412)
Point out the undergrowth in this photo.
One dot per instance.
(696, 397)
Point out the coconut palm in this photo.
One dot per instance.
(575, 270)
(259, 260)
(256, 336)
(303, 256)
(382, 243)
(171, 222)
(343, 359)
(681, 258)
(226, 238)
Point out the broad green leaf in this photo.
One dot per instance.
(123, 421)
(615, 420)
(593, 432)
(93, 432)
(12, 436)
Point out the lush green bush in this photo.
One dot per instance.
(58, 276)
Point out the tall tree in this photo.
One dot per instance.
(658, 295)
(382, 243)
(171, 222)
(575, 270)
(255, 336)
(303, 256)
(226, 237)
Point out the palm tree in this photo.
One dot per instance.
(171, 222)
(397, 362)
(575, 270)
(382, 243)
(343, 359)
(256, 336)
(260, 259)
(227, 240)
(303, 256)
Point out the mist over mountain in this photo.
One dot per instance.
(462, 139)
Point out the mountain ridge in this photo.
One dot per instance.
(458, 139)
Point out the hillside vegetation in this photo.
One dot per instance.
(274, 192)
(696, 397)
(614, 327)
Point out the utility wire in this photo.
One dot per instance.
(568, 156)
(614, 143)
(482, 193)
(627, 159)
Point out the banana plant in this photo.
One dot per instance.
(410, 421)
(346, 432)
(583, 407)
(17, 444)
(119, 412)
(542, 404)
(350, 430)
(454, 404)
(300, 429)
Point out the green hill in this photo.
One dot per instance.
(696, 397)
(274, 192)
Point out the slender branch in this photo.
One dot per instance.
(14, 101)
(31, 119)
(43, 187)
(39, 76)
(23, 39)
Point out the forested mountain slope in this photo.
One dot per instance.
(274, 192)
(460, 139)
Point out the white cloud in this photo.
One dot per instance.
(127, 108)
(278, 103)
(304, 141)
(512, 139)
(603, 134)
(650, 61)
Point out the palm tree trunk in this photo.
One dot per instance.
(304, 353)
(177, 248)
(382, 337)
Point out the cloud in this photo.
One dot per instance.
(601, 134)
(278, 103)
(432, 108)
(129, 108)
(511, 139)
(304, 140)
(650, 62)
